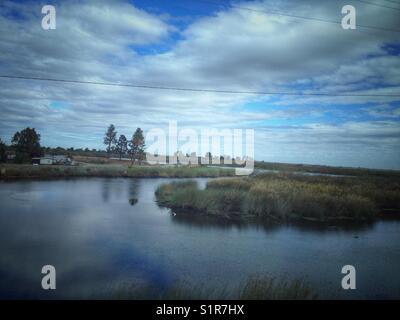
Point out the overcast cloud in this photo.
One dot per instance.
(217, 47)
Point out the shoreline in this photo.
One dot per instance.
(9, 172)
(182, 213)
(237, 218)
(284, 199)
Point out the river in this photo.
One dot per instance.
(97, 239)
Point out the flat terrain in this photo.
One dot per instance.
(27, 171)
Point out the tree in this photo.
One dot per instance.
(137, 145)
(209, 157)
(26, 144)
(122, 145)
(110, 138)
(3, 155)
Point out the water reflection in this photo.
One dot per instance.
(88, 229)
(133, 191)
(117, 190)
(207, 221)
(106, 189)
(203, 221)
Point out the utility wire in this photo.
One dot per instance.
(397, 2)
(201, 90)
(278, 13)
(378, 5)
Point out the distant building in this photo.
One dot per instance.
(61, 159)
(48, 159)
(10, 155)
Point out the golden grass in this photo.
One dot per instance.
(15, 171)
(257, 287)
(285, 197)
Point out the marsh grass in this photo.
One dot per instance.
(271, 288)
(257, 287)
(19, 171)
(284, 197)
(321, 169)
(179, 171)
(15, 171)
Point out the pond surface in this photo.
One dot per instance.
(97, 239)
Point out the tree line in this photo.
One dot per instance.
(26, 145)
(134, 148)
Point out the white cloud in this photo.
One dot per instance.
(233, 49)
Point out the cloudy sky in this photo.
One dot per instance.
(219, 45)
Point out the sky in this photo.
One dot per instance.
(219, 45)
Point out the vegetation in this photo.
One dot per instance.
(178, 172)
(133, 148)
(307, 168)
(137, 145)
(13, 171)
(122, 146)
(253, 288)
(27, 145)
(110, 138)
(268, 288)
(3, 155)
(284, 197)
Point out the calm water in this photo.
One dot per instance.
(96, 239)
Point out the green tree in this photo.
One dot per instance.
(26, 144)
(110, 138)
(122, 146)
(209, 157)
(137, 146)
(3, 155)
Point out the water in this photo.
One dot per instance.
(88, 229)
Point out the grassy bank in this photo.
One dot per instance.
(15, 171)
(320, 169)
(284, 197)
(253, 288)
(179, 172)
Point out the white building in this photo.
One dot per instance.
(46, 160)
(52, 159)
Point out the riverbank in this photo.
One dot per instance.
(284, 197)
(27, 171)
(324, 170)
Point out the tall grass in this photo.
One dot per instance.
(307, 168)
(270, 288)
(14, 171)
(284, 197)
(179, 171)
(258, 287)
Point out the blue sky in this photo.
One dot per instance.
(198, 44)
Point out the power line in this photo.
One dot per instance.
(278, 13)
(393, 1)
(201, 90)
(378, 5)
